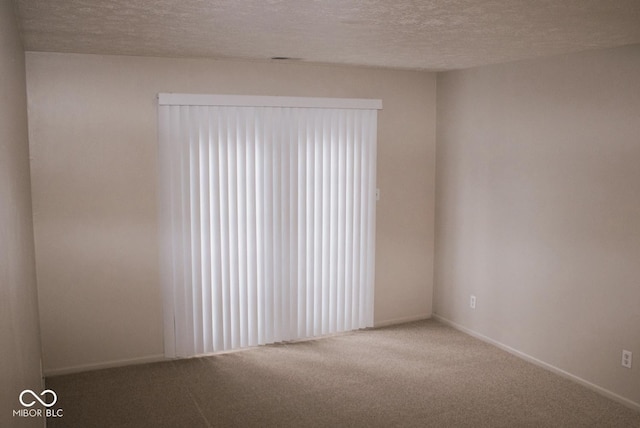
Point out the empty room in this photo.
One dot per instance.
(319, 213)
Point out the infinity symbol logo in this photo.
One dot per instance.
(37, 397)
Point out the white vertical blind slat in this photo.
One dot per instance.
(355, 261)
(225, 262)
(341, 216)
(276, 222)
(241, 189)
(371, 217)
(187, 291)
(301, 232)
(290, 268)
(194, 229)
(325, 284)
(268, 230)
(205, 230)
(364, 242)
(217, 323)
(348, 220)
(252, 320)
(317, 226)
(232, 152)
(268, 224)
(310, 224)
(260, 224)
(333, 220)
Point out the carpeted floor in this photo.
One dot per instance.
(421, 374)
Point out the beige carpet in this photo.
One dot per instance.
(421, 374)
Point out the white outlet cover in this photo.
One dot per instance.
(627, 357)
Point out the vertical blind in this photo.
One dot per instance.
(267, 218)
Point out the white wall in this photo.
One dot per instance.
(93, 144)
(19, 331)
(538, 209)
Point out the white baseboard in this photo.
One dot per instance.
(592, 386)
(105, 365)
(403, 320)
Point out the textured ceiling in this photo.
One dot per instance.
(428, 34)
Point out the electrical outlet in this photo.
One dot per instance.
(472, 302)
(626, 358)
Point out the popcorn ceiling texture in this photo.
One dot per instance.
(429, 35)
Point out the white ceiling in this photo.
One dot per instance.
(427, 34)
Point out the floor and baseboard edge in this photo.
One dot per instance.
(104, 365)
(161, 357)
(403, 320)
(612, 395)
